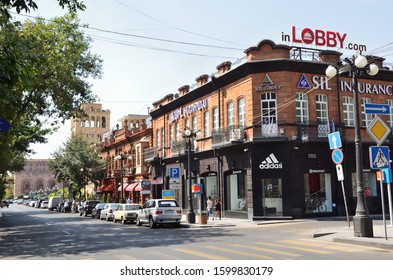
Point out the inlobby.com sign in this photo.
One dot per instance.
(321, 38)
(318, 37)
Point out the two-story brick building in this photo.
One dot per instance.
(264, 124)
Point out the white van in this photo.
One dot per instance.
(53, 202)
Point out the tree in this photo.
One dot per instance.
(43, 72)
(26, 5)
(77, 163)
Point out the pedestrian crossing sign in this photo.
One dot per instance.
(379, 157)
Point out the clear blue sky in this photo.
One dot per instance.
(151, 48)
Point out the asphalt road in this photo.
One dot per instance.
(38, 234)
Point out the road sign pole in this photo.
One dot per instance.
(345, 203)
(383, 204)
(390, 205)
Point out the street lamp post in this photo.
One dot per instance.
(122, 157)
(362, 222)
(188, 134)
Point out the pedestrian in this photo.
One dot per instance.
(209, 207)
(128, 200)
(218, 208)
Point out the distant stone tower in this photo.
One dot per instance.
(94, 125)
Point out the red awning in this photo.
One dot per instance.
(125, 186)
(131, 187)
(109, 188)
(137, 188)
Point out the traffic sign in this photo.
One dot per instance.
(337, 156)
(334, 140)
(378, 130)
(387, 172)
(381, 109)
(379, 157)
(174, 172)
(340, 173)
(4, 125)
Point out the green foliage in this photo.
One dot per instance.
(77, 163)
(27, 5)
(43, 72)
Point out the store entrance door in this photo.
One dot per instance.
(272, 197)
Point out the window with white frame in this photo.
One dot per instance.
(158, 137)
(241, 105)
(366, 118)
(194, 123)
(215, 119)
(348, 111)
(322, 109)
(231, 114)
(302, 108)
(187, 124)
(390, 116)
(177, 130)
(206, 120)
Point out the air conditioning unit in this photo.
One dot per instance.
(236, 135)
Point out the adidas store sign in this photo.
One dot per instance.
(271, 162)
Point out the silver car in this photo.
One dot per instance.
(107, 212)
(159, 211)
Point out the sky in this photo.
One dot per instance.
(151, 48)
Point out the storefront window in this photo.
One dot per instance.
(370, 183)
(317, 192)
(272, 196)
(236, 191)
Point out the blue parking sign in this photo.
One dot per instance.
(174, 172)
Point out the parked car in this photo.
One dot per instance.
(65, 206)
(107, 212)
(44, 204)
(53, 202)
(158, 212)
(126, 213)
(87, 207)
(95, 213)
(4, 203)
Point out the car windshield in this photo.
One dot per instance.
(168, 203)
(131, 207)
(113, 206)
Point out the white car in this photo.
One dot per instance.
(126, 213)
(44, 204)
(107, 212)
(159, 211)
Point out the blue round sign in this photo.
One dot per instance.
(337, 156)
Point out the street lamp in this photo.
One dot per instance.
(362, 222)
(122, 157)
(188, 134)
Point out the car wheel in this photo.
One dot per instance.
(138, 222)
(123, 221)
(152, 224)
(80, 213)
(85, 214)
(92, 216)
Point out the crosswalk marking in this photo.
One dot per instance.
(262, 257)
(320, 245)
(296, 248)
(201, 254)
(288, 254)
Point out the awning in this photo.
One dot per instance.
(131, 187)
(109, 188)
(137, 188)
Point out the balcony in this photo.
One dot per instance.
(227, 135)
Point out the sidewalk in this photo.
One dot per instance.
(342, 234)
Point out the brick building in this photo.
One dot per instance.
(127, 173)
(263, 146)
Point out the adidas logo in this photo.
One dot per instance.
(271, 162)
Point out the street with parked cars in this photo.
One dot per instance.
(154, 212)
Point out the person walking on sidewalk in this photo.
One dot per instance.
(218, 208)
(209, 207)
